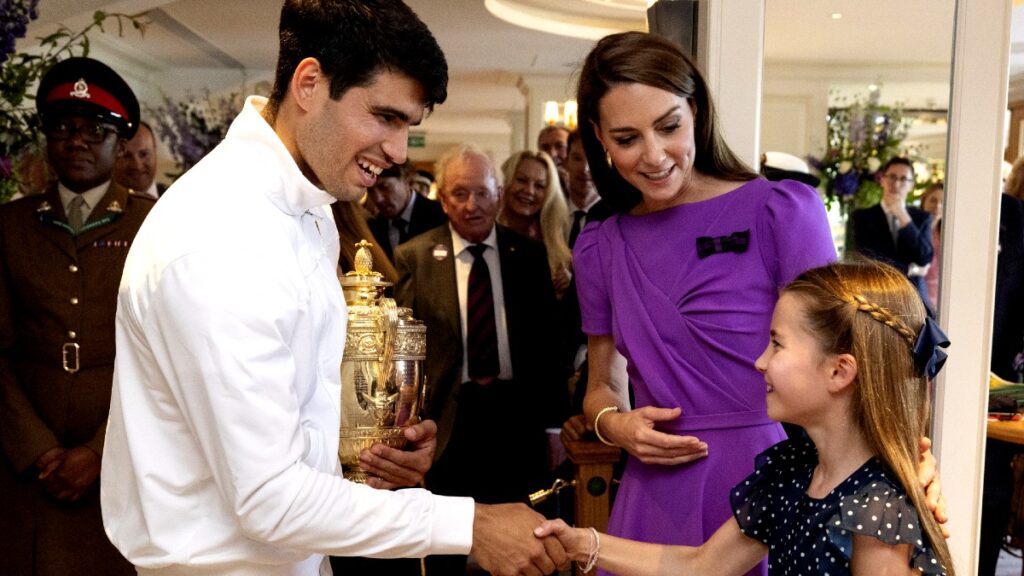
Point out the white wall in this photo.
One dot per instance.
(796, 99)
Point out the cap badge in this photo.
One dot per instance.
(81, 89)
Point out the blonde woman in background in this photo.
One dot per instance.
(1014, 183)
(533, 205)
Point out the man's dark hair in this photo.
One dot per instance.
(400, 171)
(898, 160)
(354, 40)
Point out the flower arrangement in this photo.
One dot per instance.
(192, 127)
(20, 129)
(862, 137)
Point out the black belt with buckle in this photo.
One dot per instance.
(69, 356)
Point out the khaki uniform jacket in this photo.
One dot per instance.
(58, 297)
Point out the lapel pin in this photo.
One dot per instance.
(440, 252)
(115, 207)
(44, 207)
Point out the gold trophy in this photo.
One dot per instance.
(382, 381)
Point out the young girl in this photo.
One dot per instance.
(849, 360)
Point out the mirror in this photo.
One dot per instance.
(847, 87)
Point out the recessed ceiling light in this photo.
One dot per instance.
(837, 15)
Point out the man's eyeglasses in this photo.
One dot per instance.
(90, 132)
(898, 179)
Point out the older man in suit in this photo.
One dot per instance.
(486, 297)
(62, 253)
(401, 213)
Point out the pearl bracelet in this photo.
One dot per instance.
(597, 430)
(595, 549)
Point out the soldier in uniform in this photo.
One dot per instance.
(61, 257)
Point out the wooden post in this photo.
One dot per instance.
(592, 467)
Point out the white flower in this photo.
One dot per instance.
(845, 166)
(874, 164)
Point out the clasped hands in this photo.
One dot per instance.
(67, 473)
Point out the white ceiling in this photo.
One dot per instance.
(232, 44)
(224, 33)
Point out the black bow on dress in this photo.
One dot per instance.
(736, 242)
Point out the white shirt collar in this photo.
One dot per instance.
(459, 244)
(297, 194)
(588, 206)
(407, 211)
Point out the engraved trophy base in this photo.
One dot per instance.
(352, 441)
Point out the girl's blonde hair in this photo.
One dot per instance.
(554, 214)
(871, 311)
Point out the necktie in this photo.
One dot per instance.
(403, 229)
(894, 227)
(577, 219)
(481, 327)
(75, 213)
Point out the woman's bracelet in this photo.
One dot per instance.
(598, 420)
(595, 549)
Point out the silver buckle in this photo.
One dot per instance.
(73, 347)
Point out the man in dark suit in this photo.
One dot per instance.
(61, 256)
(401, 213)
(1007, 339)
(486, 297)
(893, 232)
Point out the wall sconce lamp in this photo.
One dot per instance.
(561, 113)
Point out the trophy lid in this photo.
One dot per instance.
(364, 280)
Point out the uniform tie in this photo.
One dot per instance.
(481, 327)
(577, 219)
(75, 213)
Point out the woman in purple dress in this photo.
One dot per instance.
(677, 289)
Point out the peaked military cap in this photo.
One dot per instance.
(87, 87)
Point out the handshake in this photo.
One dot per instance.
(512, 539)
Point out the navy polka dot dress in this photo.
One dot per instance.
(807, 535)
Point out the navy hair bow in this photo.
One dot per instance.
(736, 242)
(928, 356)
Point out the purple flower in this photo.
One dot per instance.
(846, 184)
(14, 18)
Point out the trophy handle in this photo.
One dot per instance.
(389, 321)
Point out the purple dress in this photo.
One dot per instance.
(689, 304)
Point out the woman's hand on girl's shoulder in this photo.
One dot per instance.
(635, 432)
(928, 474)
